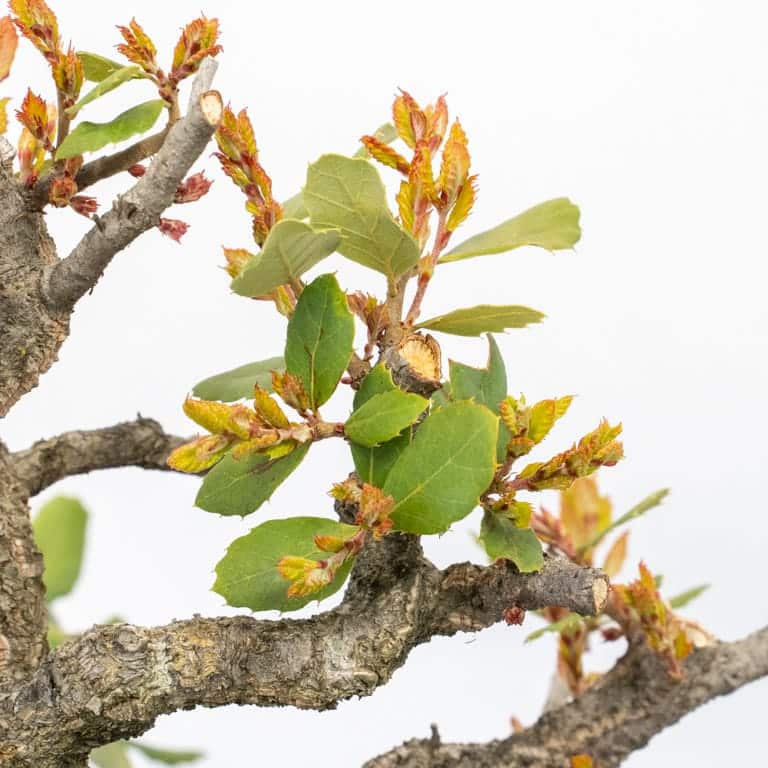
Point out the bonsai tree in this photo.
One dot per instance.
(429, 444)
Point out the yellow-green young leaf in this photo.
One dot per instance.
(503, 539)
(239, 382)
(319, 341)
(439, 477)
(568, 622)
(385, 133)
(247, 575)
(291, 248)
(373, 464)
(544, 415)
(241, 486)
(552, 225)
(384, 417)
(487, 386)
(90, 137)
(109, 83)
(616, 555)
(347, 194)
(294, 208)
(474, 321)
(59, 529)
(167, 756)
(114, 755)
(681, 600)
(97, 68)
(649, 502)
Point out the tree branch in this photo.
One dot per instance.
(139, 443)
(23, 616)
(139, 209)
(114, 681)
(635, 700)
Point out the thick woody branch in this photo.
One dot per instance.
(139, 443)
(636, 700)
(23, 617)
(114, 681)
(140, 208)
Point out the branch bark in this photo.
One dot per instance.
(139, 443)
(139, 209)
(37, 290)
(636, 700)
(114, 681)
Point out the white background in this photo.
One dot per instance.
(653, 117)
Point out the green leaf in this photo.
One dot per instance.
(487, 386)
(239, 382)
(681, 600)
(294, 208)
(474, 321)
(247, 575)
(649, 502)
(319, 341)
(166, 756)
(347, 194)
(384, 417)
(502, 538)
(569, 621)
(59, 530)
(90, 137)
(385, 133)
(97, 68)
(109, 83)
(439, 477)
(552, 225)
(373, 464)
(291, 248)
(114, 755)
(241, 486)
(442, 396)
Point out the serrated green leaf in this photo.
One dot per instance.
(90, 137)
(166, 756)
(291, 248)
(649, 502)
(347, 194)
(439, 477)
(319, 341)
(114, 755)
(503, 539)
(384, 417)
(247, 575)
(59, 529)
(241, 486)
(681, 600)
(239, 382)
(97, 68)
(474, 321)
(569, 621)
(552, 225)
(114, 80)
(442, 396)
(373, 464)
(487, 386)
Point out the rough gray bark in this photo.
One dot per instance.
(139, 443)
(37, 290)
(636, 700)
(114, 681)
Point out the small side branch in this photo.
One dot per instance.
(636, 700)
(140, 208)
(139, 443)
